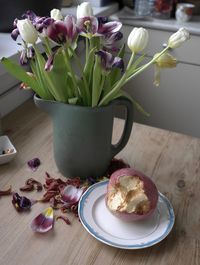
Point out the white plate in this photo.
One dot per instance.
(105, 227)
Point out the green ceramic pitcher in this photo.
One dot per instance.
(82, 136)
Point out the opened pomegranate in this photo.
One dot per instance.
(131, 195)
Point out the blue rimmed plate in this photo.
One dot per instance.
(105, 227)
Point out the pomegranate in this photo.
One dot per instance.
(131, 195)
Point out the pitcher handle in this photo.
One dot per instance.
(116, 148)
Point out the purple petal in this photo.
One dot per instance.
(110, 40)
(21, 203)
(71, 194)
(34, 163)
(118, 63)
(23, 58)
(70, 23)
(43, 222)
(49, 63)
(102, 20)
(108, 61)
(30, 52)
(30, 15)
(110, 27)
(88, 25)
(15, 34)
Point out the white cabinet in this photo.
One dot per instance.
(175, 104)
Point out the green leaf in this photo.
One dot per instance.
(89, 64)
(42, 91)
(73, 101)
(18, 72)
(96, 86)
(136, 104)
(134, 66)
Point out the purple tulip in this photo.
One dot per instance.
(88, 26)
(15, 34)
(109, 61)
(109, 27)
(62, 31)
(110, 39)
(49, 63)
(26, 54)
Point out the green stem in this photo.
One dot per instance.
(86, 48)
(141, 69)
(48, 48)
(48, 79)
(124, 78)
(68, 65)
(82, 73)
(119, 84)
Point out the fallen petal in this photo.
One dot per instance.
(64, 218)
(34, 163)
(43, 222)
(6, 192)
(71, 194)
(21, 203)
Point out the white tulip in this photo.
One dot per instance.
(84, 10)
(138, 39)
(27, 31)
(178, 38)
(56, 14)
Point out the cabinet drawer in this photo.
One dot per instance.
(188, 52)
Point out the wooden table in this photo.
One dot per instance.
(171, 159)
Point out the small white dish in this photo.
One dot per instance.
(107, 228)
(5, 144)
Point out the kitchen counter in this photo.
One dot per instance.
(126, 15)
(172, 160)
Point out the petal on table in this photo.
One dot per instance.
(44, 221)
(71, 194)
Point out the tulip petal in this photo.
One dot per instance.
(21, 203)
(34, 163)
(44, 221)
(108, 61)
(6, 192)
(71, 194)
(88, 25)
(110, 27)
(15, 34)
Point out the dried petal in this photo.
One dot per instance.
(64, 218)
(6, 192)
(71, 194)
(21, 203)
(44, 221)
(31, 184)
(34, 163)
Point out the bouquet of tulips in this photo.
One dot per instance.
(101, 78)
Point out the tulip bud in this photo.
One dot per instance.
(27, 31)
(84, 10)
(166, 60)
(178, 38)
(138, 39)
(56, 14)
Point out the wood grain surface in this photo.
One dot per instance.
(171, 159)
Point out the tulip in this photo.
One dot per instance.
(108, 61)
(166, 60)
(178, 38)
(138, 39)
(62, 31)
(84, 10)
(56, 14)
(27, 31)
